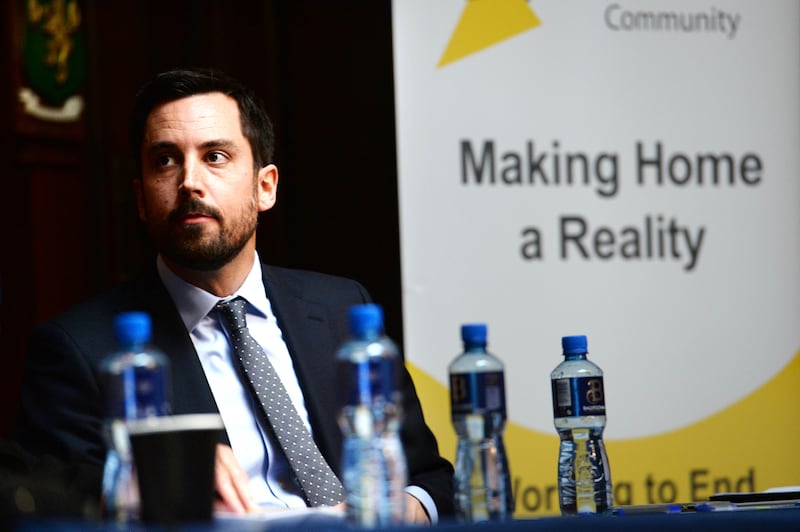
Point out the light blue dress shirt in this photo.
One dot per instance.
(271, 480)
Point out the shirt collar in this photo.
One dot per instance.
(194, 303)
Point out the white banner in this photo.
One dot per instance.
(625, 170)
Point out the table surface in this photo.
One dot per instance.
(774, 519)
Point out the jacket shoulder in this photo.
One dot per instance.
(311, 285)
(89, 325)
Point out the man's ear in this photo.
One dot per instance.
(267, 187)
(138, 190)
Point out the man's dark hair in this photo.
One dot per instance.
(184, 82)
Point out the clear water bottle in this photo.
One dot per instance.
(579, 412)
(373, 463)
(135, 384)
(478, 411)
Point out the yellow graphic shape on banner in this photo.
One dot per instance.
(484, 23)
(740, 448)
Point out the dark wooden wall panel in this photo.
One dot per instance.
(47, 215)
(338, 152)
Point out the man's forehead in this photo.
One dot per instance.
(211, 114)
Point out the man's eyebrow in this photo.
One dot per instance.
(160, 146)
(163, 145)
(218, 143)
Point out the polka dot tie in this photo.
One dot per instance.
(319, 483)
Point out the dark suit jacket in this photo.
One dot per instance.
(62, 398)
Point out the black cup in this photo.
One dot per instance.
(174, 457)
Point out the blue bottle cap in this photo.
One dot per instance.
(366, 320)
(574, 345)
(473, 333)
(132, 328)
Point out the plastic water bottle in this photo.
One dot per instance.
(373, 463)
(579, 411)
(135, 382)
(478, 411)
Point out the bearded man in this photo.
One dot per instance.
(205, 147)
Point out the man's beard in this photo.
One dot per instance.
(189, 246)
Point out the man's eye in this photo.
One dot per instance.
(165, 160)
(216, 157)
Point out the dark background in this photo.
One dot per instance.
(324, 70)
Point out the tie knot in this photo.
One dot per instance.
(233, 312)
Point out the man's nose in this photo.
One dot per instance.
(192, 182)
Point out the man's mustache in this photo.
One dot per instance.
(193, 206)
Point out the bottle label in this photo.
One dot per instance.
(578, 396)
(368, 382)
(137, 392)
(478, 392)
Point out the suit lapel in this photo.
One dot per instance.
(306, 330)
(190, 390)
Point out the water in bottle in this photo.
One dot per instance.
(135, 385)
(478, 411)
(373, 462)
(579, 411)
